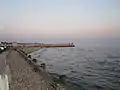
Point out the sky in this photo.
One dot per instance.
(59, 19)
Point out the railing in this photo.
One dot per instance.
(4, 82)
(4, 75)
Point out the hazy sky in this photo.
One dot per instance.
(45, 19)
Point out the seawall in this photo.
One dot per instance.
(41, 69)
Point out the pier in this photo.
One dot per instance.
(46, 45)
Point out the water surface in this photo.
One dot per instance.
(92, 66)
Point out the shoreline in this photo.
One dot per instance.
(42, 70)
(24, 74)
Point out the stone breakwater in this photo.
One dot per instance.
(41, 70)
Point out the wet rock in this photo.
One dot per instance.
(43, 65)
(34, 60)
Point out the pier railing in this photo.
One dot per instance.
(4, 82)
(4, 73)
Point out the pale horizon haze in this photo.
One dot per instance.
(59, 19)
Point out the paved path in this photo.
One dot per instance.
(22, 75)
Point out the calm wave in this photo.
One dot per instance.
(86, 68)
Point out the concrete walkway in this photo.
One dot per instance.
(23, 77)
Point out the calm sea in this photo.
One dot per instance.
(88, 66)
